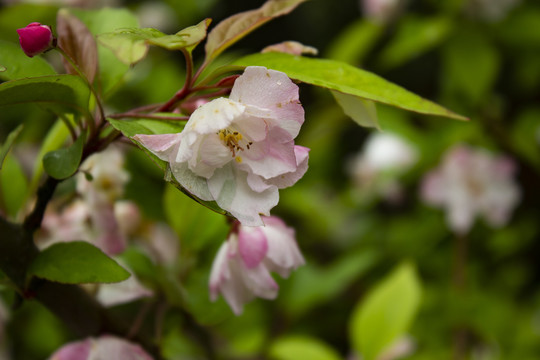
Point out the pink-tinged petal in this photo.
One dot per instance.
(252, 246)
(291, 47)
(259, 281)
(231, 191)
(216, 115)
(257, 183)
(111, 347)
(220, 271)
(110, 240)
(160, 145)
(272, 90)
(291, 178)
(196, 185)
(283, 252)
(79, 350)
(252, 128)
(278, 157)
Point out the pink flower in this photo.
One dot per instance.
(239, 151)
(291, 47)
(35, 39)
(104, 347)
(241, 269)
(472, 182)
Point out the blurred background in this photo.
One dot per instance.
(421, 238)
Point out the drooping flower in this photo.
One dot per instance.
(104, 347)
(35, 39)
(241, 269)
(383, 159)
(472, 182)
(239, 151)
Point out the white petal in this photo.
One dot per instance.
(289, 179)
(159, 145)
(213, 116)
(231, 191)
(283, 252)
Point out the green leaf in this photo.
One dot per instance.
(63, 163)
(18, 65)
(131, 45)
(76, 262)
(237, 26)
(386, 313)
(335, 75)
(60, 92)
(13, 186)
(133, 127)
(301, 347)
(6, 146)
(363, 112)
(415, 36)
(111, 70)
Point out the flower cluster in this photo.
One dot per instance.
(241, 269)
(472, 182)
(239, 151)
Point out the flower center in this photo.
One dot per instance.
(232, 140)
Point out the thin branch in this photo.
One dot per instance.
(147, 116)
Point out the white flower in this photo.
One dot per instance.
(385, 157)
(239, 151)
(472, 182)
(241, 269)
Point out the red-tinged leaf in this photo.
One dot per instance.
(77, 41)
(237, 26)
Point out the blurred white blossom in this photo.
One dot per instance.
(383, 159)
(472, 182)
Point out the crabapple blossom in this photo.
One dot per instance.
(104, 347)
(291, 47)
(35, 39)
(239, 151)
(472, 182)
(385, 156)
(241, 269)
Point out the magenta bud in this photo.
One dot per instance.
(35, 39)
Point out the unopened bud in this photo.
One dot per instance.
(35, 39)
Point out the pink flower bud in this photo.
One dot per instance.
(35, 39)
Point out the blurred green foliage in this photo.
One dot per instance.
(488, 70)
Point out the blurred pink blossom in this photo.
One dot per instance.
(104, 347)
(291, 47)
(472, 182)
(381, 11)
(239, 151)
(241, 269)
(35, 39)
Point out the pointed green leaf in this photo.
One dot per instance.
(363, 112)
(18, 65)
(237, 26)
(63, 163)
(131, 45)
(76, 262)
(386, 313)
(6, 146)
(335, 75)
(301, 347)
(60, 92)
